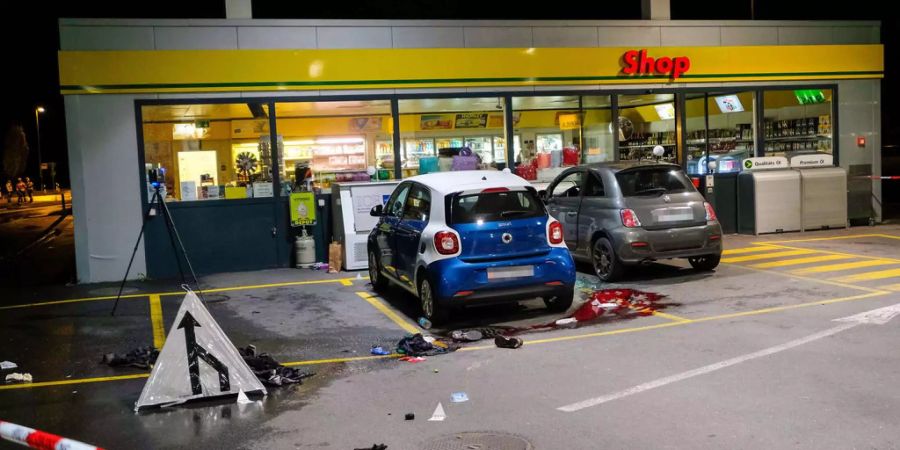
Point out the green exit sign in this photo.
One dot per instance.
(201, 123)
(809, 96)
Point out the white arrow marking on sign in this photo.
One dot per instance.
(878, 316)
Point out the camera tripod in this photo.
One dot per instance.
(157, 205)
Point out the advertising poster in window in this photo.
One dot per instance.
(471, 120)
(303, 209)
(365, 124)
(436, 122)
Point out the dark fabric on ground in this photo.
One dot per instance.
(141, 357)
(269, 371)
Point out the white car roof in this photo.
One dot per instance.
(469, 180)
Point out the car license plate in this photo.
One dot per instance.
(510, 272)
(675, 215)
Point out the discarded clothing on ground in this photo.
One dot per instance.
(416, 345)
(6, 365)
(508, 342)
(18, 378)
(374, 447)
(141, 357)
(269, 371)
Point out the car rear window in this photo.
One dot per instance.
(652, 180)
(495, 206)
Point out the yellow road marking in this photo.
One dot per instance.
(156, 320)
(891, 287)
(484, 347)
(814, 280)
(736, 259)
(832, 238)
(844, 266)
(406, 326)
(165, 294)
(798, 261)
(869, 276)
(670, 316)
(758, 248)
(346, 282)
(73, 381)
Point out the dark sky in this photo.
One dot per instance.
(33, 80)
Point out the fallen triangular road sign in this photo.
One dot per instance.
(198, 360)
(242, 398)
(439, 414)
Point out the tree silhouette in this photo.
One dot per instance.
(15, 151)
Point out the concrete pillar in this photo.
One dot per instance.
(656, 10)
(241, 9)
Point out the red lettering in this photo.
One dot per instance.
(636, 62)
(630, 59)
(682, 64)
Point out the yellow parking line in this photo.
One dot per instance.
(875, 293)
(75, 300)
(156, 320)
(767, 256)
(814, 280)
(891, 287)
(869, 276)
(798, 261)
(758, 248)
(73, 381)
(670, 316)
(844, 266)
(832, 238)
(406, 326)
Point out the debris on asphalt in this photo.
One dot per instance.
(424, 323)
(378, 350)
(416, 345)
(568, 322)
(141, 357)
(466, 335)
(6, 365)
(374, 447)
(508, 342)
(319, 266)
(413, 359)
(18, 378)
(269, 371)
(242, 398)
(436, 371)
(439, 414)
(459, 397)
(410, 416)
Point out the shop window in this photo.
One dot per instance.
(208, 151)
(644, 122)
(340, 141)
(559, 131)
(797, 121)
(730, 136)
(438, 134)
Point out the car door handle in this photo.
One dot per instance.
(572, 213)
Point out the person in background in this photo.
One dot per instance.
(20, 190)
(9, 191)
(29, 189)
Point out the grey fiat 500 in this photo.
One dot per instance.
(617, 215)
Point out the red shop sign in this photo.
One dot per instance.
(638, 63)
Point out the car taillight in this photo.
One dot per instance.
(555, 233)
(630, 219)
(710, 213)
(446, 242)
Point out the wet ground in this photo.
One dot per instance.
(691, 375)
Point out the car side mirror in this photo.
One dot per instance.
(377, 211)
(542, 194)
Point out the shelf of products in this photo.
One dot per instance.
(640, 146)
(806, 134)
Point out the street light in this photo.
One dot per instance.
(37, 122)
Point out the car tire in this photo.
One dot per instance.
(432, 310)
(607, 265)
(705, 263)
(560, 303)
(379, 282)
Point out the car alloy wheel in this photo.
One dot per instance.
(427, 298)
(373, 269)
(602, 259)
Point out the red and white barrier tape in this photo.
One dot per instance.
(876, 177)
(40, 440)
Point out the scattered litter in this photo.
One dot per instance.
(359, 276)
(466, 335)
(436, 371)
(74, 392)
(255, 312)
(569, 322)
(141, 357)
(439, 414)
(269, 371)
(416, 345)
(18, 378)
(508, 342)
(377, 350)
(6, 365)
(413, 359)
(319, 266)
(374, 447)
(242, 398)
(410, 416)
(430, 339)
(424, 323)
(68, 376)
(459, 397)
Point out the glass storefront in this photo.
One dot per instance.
(720, 131)
(797, 121)
(645, 122)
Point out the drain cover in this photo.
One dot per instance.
(478, 440)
